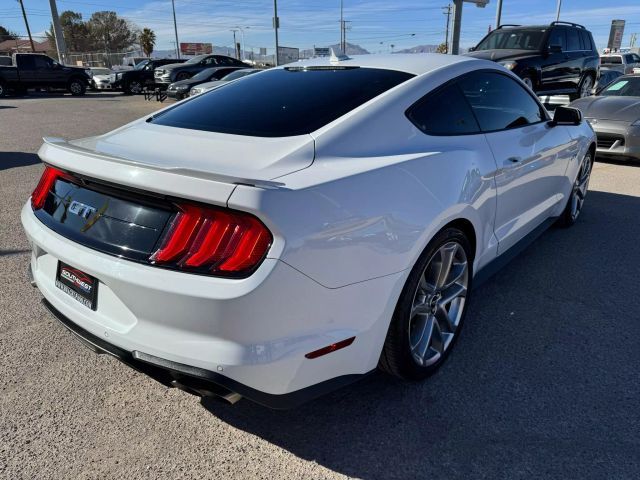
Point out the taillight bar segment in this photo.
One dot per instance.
(49, 177)
(212, 240)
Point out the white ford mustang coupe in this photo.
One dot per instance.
(284, 235)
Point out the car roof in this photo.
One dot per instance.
(415, 63)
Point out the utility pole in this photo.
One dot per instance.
(175, 28)
(276, 25)
(235, 45)
(558, 11)
(26, 22)
(457, 21)
(498, 14)
(447, 12)
(342, 25)
(61, 46)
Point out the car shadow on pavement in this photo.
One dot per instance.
(17, 159)
(543, 381)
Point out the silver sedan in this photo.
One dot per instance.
(614, 114)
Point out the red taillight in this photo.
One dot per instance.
(39, 195)
(217, 241)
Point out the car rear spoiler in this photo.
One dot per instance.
(63, 154)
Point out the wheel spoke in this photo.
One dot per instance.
(420, 309)
(445, 321)
(446, 261)
(450, 294)
(424, 342)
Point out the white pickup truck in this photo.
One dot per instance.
(623, 62)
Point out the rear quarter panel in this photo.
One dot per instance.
(379, 189)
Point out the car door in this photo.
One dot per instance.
(554, 69)
(574, 58)
(532, 156)
(27, 70)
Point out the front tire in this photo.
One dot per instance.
(431, 308)
(584, 87)
(76, 87)
(578, 193)
(182, 76)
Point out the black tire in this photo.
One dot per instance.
(134, 87)
(76, 87)
(580, 93)
(396, 358)
(3, 89)
(569, 215)
(182, 76)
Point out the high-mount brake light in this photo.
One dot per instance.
(49, 177)
(216, 241)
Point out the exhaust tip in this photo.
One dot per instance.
(226, 395)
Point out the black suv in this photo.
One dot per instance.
(134, 81)
(555, 59)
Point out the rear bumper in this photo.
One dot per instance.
(249, 336)
(197, 380)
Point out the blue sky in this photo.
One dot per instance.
(375, 24)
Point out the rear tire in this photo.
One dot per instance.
(76, 87)
(431, 309)
(579, 191)
(3, 89)
(584, 87)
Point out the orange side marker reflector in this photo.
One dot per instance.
(330, 348)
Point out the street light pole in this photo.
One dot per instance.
(175, 28)
(276, 24)
(457, 21)
(558, 11)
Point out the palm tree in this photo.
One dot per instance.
(147, 41)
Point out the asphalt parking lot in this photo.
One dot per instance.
(544, 382)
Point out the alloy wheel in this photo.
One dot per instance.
(586, 86)
(75, 88)
(580, 187)
(438, 304)
(135, 87)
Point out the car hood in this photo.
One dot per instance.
(214, 84)
(171, 66)
(502, 55)
(189, 82)
(623, 109)
(204, 154)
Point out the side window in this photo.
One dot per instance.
(636, 58)
(558, 37)
(499, 102)
(225, 61)
(586, 40)
(443, 112)
(628, 59)
(26, 62)
(210, 61)
(573, 40)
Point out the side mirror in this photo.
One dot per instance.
(472, 49)
(554, 49)
(566, 116)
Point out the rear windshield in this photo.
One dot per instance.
(611, 60)
(282, 102)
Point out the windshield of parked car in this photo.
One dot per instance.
(282, 102)
(513, 39)
(141, 65)
(238, 74)
(204, 75)
(197, 59)
(611, 60)
(623, 87)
